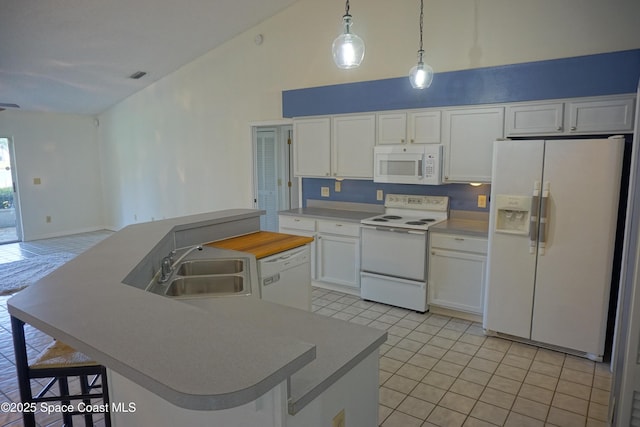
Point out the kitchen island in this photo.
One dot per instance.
(239, 360)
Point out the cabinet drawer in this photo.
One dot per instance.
(341, 228)
(306, 224)
(458, 242)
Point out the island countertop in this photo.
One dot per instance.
(143, 336)
(262, 243)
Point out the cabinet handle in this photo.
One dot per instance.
(412, 140)
(327, 174)
(402, 141)
(460, 239)
(573, 128)
(433, 252)
(338, 225)
(559, 128)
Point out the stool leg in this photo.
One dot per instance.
(84, 387)
(105, 397)
(22, 368)
(64, 392)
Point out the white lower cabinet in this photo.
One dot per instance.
(456, 272)
(338, 253)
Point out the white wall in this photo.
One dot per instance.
(183, 145)
(61, 150)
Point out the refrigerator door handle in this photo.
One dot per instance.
(544, 218)
(533, 215)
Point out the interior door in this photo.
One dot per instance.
(574, 274)
(625, 395)
(517, 165)
(273, 190)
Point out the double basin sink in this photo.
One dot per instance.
(204, 277)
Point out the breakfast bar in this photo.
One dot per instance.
(236, 359)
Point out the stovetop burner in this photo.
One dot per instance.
(413, 212)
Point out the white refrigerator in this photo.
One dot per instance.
(552, 233)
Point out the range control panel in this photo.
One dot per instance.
(423, 203)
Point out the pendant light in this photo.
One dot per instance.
(348, 48)
(421, 75)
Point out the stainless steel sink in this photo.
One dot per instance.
(202, 276)
(210, 266)
(192, 286)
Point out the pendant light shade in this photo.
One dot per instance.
(348, 48)
(421, 75)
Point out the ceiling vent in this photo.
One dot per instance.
(138, 75)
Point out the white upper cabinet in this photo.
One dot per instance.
(468, 136)
(312, 147)
(610, 115)
(392, 128)
(602, 115)
(532, 119)
(424, 127)
(338, 146)
(352, 146)
(409, 127)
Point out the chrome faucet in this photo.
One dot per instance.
(168, 265)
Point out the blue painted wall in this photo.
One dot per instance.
(462, 196)
(591, 75)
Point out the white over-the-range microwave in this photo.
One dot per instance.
(408, 164)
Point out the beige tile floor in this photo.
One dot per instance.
(434, 370)
(443, 371)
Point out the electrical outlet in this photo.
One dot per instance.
(324, 191)
(379, 195)
(482, 201)
(48, 219)
(338, 420)
(338, 187)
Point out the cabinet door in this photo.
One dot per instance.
(352, 147)
(424, 127)
(456, 280)
(535, 119)
(615, 115)
(338, 260)
(468, 137)
(312, 147)
(392, 128)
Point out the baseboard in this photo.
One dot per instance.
(63, 233)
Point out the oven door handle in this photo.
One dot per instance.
(395, 230)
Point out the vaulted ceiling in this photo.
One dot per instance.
(77, 56)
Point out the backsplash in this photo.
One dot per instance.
(461, 196)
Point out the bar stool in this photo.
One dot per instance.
(59, 362)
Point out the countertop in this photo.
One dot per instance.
(262, 243)
(143, 336)
(467, 227)
(330, 214)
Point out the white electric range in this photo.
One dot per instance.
(394, 250)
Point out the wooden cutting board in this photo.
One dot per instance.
(262, 243)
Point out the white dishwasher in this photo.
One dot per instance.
(285, 278)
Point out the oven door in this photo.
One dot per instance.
(394, 252)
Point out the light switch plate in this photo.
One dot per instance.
(379, 195)
(482, 201)
(324, 191)
(338, 187)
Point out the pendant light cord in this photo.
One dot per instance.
(346, 9)
(421, 22)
